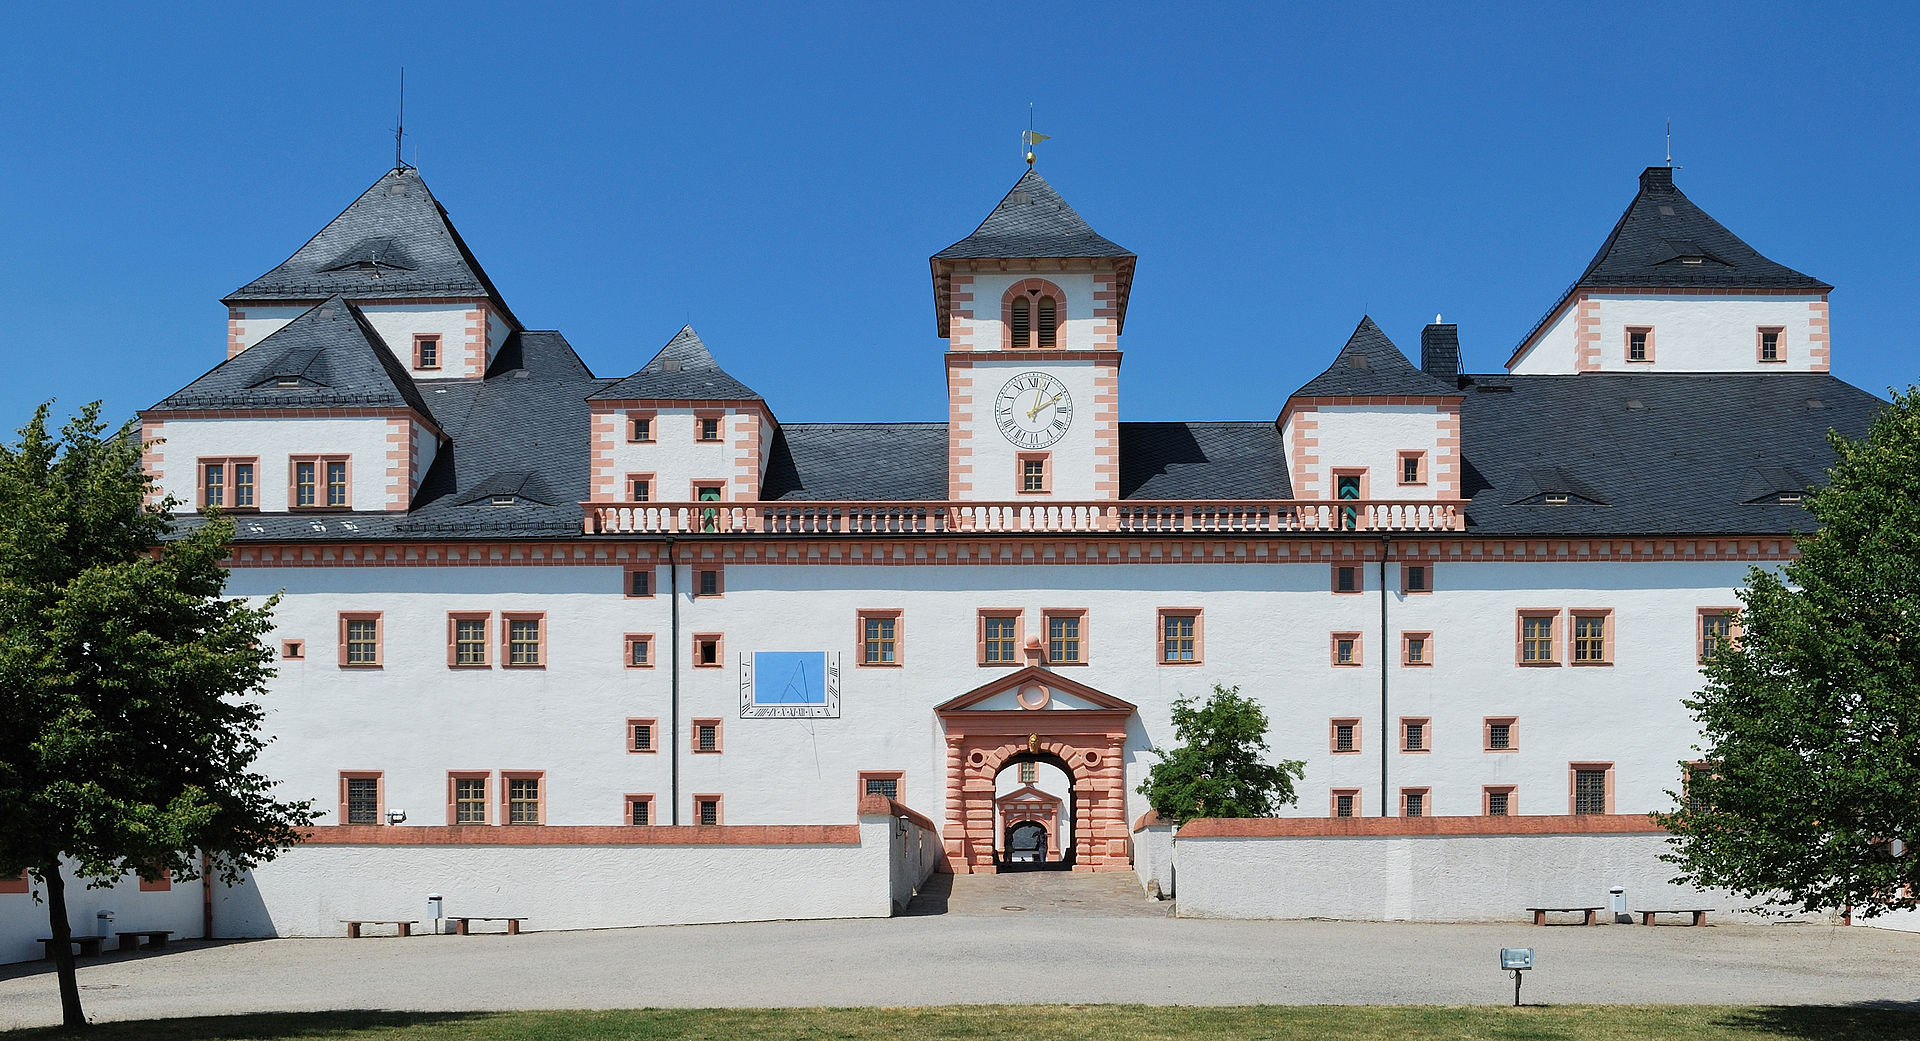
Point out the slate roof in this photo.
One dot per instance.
(1188, 460)
(888, 462)
(1032, 220)
(393, 242)
(330, 356)
(1371, 366)
(684, 370)
(1662, 228)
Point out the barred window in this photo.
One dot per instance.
(707, 737)
(643, 737)
(1500, 736)
(887, 786)
(363, 800)
(1497, 804)
(1589, 791)
(523, 800)
(1343, 737)
(1343, 805)
(640, 812)
(1416, 803)
(470, 800)
(1416, 737)
(709, 812)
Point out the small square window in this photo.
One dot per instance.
(1180, 633)
(709, 428)
(881, 782)
(639, 651)
(640, 487)
(1344, 736)
(1036, 473)
(706, 810)
(1501, 801)
(1414, 735)
(1501, 734)
(639, 580)
(293, 650)
(426, 352)
(1029, 773)
(639, 428)
(360, 640)
(1413, 468)
(706, 651)
(1770, 345)
(1416, 578)
(1416, 649)
(1348, 578)
(1639, 343)
(1346, 650)
(880, 638)
(643, 735)
(640, 811)
(1345, 802)
(1414, 802)
(707, 581)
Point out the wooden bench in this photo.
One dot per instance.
(354, 924)
(513, 924)
(154, 938)
(1699, 914)
(1540, 913)
(89, 945)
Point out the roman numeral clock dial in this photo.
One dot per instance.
(1033, 410)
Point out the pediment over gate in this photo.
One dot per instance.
(1026, 796)
(1034, 689)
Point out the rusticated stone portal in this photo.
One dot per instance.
(1027, 714)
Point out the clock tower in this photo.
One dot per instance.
(1032, 305)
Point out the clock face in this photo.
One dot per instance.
(1033, 410)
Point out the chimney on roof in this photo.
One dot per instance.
(1440, 350)
(1657, 179)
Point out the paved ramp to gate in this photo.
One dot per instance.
(1045, 894)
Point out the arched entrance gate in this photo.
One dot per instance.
(1033, 713)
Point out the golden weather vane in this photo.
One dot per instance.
(1030, 137)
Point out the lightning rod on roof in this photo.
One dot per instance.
(400, 122)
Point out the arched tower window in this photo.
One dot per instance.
(1032, 310)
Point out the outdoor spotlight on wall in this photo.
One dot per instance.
(396, 816)
(1517, 960)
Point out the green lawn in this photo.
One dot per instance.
(1046, 1023)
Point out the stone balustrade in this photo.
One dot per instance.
(1136, 517)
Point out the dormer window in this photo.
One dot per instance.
(287, 381)
(1693, 260)
(501, 500)
(426, 352)
(1789, 498)
(1556, 498)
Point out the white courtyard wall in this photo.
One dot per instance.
(273, 442)
(23, 916)
(1905, 921)
(1153, 856)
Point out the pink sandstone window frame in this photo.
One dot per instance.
(1407, 588)
(695, 579)
(1161, 617)
(1425, 723)
(1359, 579)
(379, 638)
(627, 802)
(1019, 617)
(293, 650)
(719, 725)
(1574, 616)
(1627, 344)
(1512, 723)
(1358, 659)
(420, 340)
(1333, 735)
(1554, 640)
(16, 885)
(650, 417)
(507, 777)
(898, 777)
(1335, 473)
(1032, 289)
(1083, 643)
(719, 650)
(229, 467)
(1426, 649)
(1333, 803)
(653, 735)
(163, 884)
(379, 778)
(1022, 460)
(626, 581)
(1419, 458)
(627, 643)
(1511, 791)
(454, 618)
(1779, 344)
(1425, 792)
(322, 486)
(1574, 770)
(701, 417)
(485, 777)
(719, 809)
(646, 478)
(1700, 616)
(507, 620)
(898, 640)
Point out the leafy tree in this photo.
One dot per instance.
(127, 683)
(1219, 767)
(1811, 723)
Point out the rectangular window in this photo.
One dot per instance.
(709, 427)
(1501, 801)
(243, 485)
(525, 801)
(360, 798)
(707, 581)
(1066, 637)
(1592, 637)
(1345, 802)
(879, 637)
(1036, 472)
(707, 810)
(706, 735)
(706, 650)
(1413, 735)
(709, 519)
(639, 580)
(305, 484)
(213, 487)
(467, 640)
(640, 735)
(1029, 773)
(320, 481)
(1416, 578)
(1500, 734)
(639, 426)
(1414, 802)
(1692, 791)
(639, 652)
(1416, 649)
(1639, 343)
(881, 782)
(1717, 627)
(228, 484)
(1179, 636)
(640, 810)
(1769, 345)
(1592, 788)
(1348, 578)
(999, 638)
(639, 487)
(426, 352)
(525, 638)
(1536, 637)
(293, 650)
(1344, 736)
(469, 798)
(360, 640)
(336, 483)
(1346, 650)
(1413, 468)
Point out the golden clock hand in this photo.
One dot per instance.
(1043, 404)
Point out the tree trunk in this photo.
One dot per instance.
(70, 1014)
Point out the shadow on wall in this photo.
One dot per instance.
(239, 910)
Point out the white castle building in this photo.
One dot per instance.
(523, 602)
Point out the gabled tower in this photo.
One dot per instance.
(1672, 290)
(1032, 304)
(679, 430)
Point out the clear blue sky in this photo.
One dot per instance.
(779, 175)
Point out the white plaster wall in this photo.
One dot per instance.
(1904, 921)
(262, 321)
(1432, 878)
(996, 461)
(310, 889)
(1690, 334)
(1373, 436)
(426, 447)
(675, 457)
(1153, 858)
(273, 442)
(1556, 348)
(914, 852)
(23, 916)
(497, 332)
(1076, 321)
(1267, 630)
(398, 323)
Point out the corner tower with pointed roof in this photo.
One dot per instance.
(1032, 304)
(1672, 290)
(396, 256)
